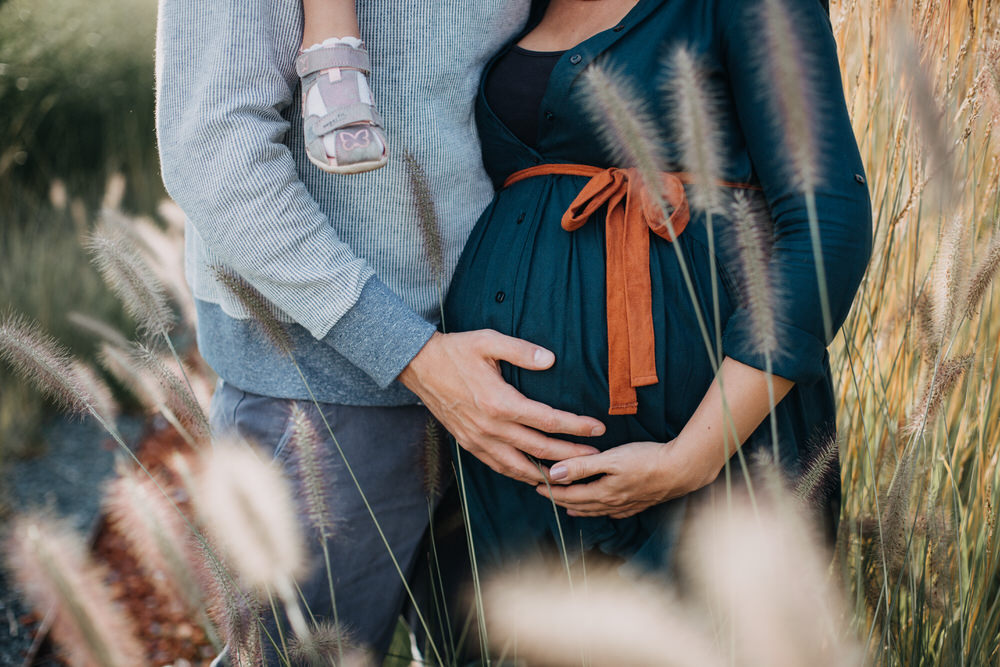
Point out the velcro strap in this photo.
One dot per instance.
(339, 55)
(343, 117)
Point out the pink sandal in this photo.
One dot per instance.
(343, 130)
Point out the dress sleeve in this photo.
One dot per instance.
(842, 200)
(225, 72)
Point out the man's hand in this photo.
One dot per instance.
(457, 376)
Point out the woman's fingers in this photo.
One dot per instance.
(595, 493)
(581, 467)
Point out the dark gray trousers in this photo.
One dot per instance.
(383, 447)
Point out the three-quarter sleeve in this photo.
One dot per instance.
(843, 203)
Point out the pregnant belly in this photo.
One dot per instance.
(523, 275)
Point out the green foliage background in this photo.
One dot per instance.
(76, 106)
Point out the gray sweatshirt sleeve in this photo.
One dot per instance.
(224, 70)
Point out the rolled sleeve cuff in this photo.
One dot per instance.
(380, 334)
(800, 356)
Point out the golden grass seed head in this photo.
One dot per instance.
(430, 226)
(791, 90)
(554, 624)
(38, 359)
(694, 121)
(432, 458)
(624, 125)
(326, 645)
(175, 393)
(131, 279)
(260, 309)
(311, 466)
(50, 563)
(775, 596)
(96, 390)
(938, 386)
(155, 534)
(982, 276)
(235, 612)
(757, 286)
(247, 506)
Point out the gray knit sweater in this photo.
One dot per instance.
(340, 258)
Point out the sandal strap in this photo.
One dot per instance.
(342, 117)
(339, 55)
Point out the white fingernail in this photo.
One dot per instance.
(543, 357)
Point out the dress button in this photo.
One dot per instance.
(500, 297)
(520, 218)
(549, 115)
(537, 160)
(619, 27)
(859, 178)
(576, 58)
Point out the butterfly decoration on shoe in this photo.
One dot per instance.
(353, 140)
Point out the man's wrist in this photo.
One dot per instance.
(380, 334)
(410, 375)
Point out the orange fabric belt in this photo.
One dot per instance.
(631, 215)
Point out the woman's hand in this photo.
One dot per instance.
(639, 475)
(634, 477)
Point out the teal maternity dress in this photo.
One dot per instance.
(523, 275)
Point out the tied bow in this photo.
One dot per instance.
(631, 214)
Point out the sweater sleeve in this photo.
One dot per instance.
(843, 204)
(225, 70)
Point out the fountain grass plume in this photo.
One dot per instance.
(924, 317)
(786, 68)
(896, 514)
(941, 383)
(260, 309)
(330, 644)
(983, 275)
(951, 276)
(121, 365)
(247, 506)
(820, 477)
(795, 109)
(131, 279)
(766, 577)
(143, 384)
(430, 227)
(432, 458)
(234, 611)
(43, 362)
(758, 288)
(176, 394)
(927, 113)
(155, 534)
(549, 623)
(50, 563)
(630, 134)
(623, 123)
(97, 391)
(693, 117)
(311, 466)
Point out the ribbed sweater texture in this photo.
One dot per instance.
(341, 259)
